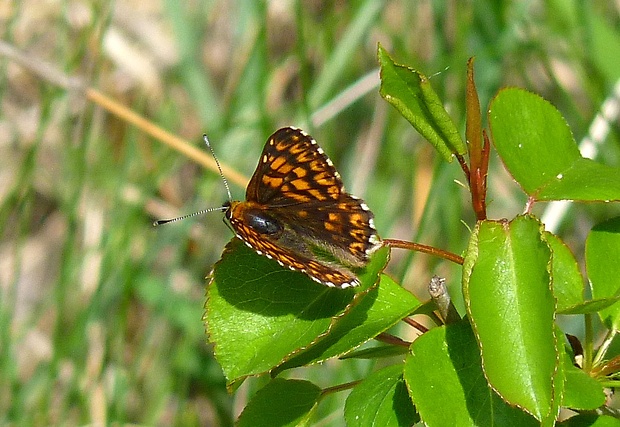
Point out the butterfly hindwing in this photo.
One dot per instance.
(297, 260)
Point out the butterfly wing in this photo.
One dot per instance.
(293, 169)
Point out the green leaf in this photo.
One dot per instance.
(377, 310)
(445, 379)
(591, 306)
(586, 180)
(258, 313)
(281, 403)
(568, 283)
(413, 96)
(602, 254)
(381, 400)
(507, 288)
(567, 280)
(538, 149)
(581, 391)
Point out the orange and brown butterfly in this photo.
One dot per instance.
(297, 212)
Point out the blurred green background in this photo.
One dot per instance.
(100, 313)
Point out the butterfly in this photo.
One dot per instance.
(297, 212)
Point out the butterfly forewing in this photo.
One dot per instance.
(295, 202)
(293, 169)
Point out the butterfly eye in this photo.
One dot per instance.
(262, 223)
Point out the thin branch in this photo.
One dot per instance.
(403, 244)
(392, 340)
(415, 324)
(339, 387)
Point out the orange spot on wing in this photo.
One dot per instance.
(317, 194)
(271, 181)
(300, 184)
(278, 162)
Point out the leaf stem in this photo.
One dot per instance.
(588, 345)
(415, 324)
(394, 340)
(339, 387)
(403, 244)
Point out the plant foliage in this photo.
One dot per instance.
(507, 362)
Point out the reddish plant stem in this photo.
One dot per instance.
(477, 145)
(478, 181)
(416, 325)
(391, 339)
(610, 367)
(403, 244)
(463, 164)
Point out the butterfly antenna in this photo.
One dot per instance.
(204, 211)
(219, 168)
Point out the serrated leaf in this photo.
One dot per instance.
(411, 93)
(381, 400)
(445, 379)
(259, 313)
(568, 284)
(378, 310)
(507, 288)
(281, 403)
(602, 254)
(591, 306)
(537, 147)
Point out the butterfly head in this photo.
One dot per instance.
(247, 215)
